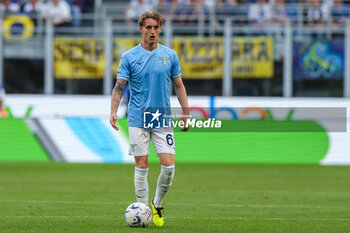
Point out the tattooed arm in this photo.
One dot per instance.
(116, 97)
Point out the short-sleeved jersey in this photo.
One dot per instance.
(149, 74)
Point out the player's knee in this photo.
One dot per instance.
(168, 163)
(143, 164)
(167, 159)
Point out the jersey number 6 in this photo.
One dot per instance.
(170, 140)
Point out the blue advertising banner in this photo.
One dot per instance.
(321, 59)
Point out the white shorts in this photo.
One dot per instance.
(163, 141)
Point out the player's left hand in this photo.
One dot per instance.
(186, 125)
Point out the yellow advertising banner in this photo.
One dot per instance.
(84, 58)
(252, 57)
(78, 58)
(200, 58)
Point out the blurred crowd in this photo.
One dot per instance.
(314, 13)
(60, 12)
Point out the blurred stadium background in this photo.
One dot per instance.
(242, 60)
(58, 65)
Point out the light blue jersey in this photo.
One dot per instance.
(148, 74)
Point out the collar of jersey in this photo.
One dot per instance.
(148, 50)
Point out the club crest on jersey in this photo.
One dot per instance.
(164, 60)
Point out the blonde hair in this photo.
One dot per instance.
(151, 14)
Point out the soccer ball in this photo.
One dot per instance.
(138, 215)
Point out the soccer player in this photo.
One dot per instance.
(148, 68)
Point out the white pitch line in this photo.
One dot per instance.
(267, 206)
(78, 217)
(269, 191)
(187, 217)
(63, 202)
(179, 204)
(269, 219)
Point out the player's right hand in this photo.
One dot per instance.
(113, 121)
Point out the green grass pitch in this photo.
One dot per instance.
(59, 197)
